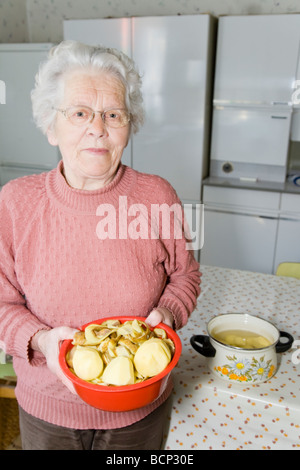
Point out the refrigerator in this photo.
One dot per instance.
(254, 113)
(24, 149)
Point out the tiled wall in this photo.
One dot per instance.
(42, 20)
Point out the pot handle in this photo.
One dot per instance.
(282, 347)
(202, 345)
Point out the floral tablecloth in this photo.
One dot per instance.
(211, 413)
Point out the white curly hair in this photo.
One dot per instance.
(73, 55)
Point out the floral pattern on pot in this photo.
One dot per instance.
(246, 370)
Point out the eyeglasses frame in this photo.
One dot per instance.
(102, 113)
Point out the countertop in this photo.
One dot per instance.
(286, 187)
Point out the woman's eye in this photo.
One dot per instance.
(113, 115)
(81, 114)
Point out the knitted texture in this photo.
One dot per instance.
(57, 267)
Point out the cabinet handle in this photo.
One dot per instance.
(279, 117)
(280, 103)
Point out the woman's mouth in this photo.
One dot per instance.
(96, 150)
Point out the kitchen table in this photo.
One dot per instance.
(208, 412)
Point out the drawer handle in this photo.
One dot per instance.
(279, 117)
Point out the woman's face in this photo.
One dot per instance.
(91, 153)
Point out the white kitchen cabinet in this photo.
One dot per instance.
(24, 149)
(174, 55)
(239, 241)
(256, 139)
(250, 229)
(115, 32)
(255, 75)
(288, 242)
(257, 57)
(288, 238)
(240, 228)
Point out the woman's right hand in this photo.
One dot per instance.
(48, 343)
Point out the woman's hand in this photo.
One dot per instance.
(160, 315)
(48, 343)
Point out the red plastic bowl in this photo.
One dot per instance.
(126, 397)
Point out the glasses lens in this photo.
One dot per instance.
(79, 115)
(116, 117)
(82, 115)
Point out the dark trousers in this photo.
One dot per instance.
(146, 434)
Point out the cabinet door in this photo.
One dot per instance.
(114, 32)
(288, 246)
(239, 241)
(247, 136)
(172, 55)
(24, 148)
(257, 58)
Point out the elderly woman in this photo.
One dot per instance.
(58, 269)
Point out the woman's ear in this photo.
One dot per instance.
(52, 136)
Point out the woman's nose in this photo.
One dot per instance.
(97, 127)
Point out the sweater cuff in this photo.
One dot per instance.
(172, 306)
(35, 358)
(22, 344)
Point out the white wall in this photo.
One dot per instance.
(42, 20)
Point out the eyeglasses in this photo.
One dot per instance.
(83, 115)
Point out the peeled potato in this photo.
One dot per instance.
(87, 363)
(258, 342)
(235, 340)
(152, 357)
(119, 371)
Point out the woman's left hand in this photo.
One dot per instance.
(48, 343)
(160, 315)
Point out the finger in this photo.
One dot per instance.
(154, 318)
(64, 332)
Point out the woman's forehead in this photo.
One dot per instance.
(81, 85)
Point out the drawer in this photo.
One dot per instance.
(247, 198)
(290, 203)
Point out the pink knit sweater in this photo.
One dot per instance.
(57, 269)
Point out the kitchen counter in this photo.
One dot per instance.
(211, 413)
(286, 187)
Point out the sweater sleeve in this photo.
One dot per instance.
(183, 271)
(17, 323)
(182, 290)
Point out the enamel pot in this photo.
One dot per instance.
(240, 365)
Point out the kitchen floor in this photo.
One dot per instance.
(16, 444)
